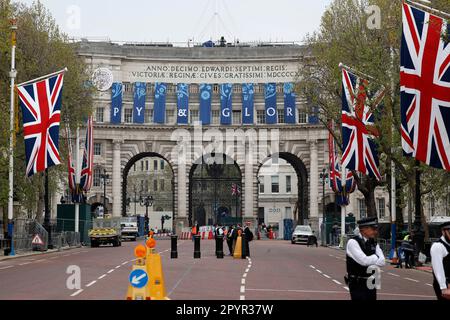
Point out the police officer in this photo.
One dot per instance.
(440, 259)
(362, 253)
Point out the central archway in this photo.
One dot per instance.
(215, 191)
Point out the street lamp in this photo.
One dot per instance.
(104, 177)
(324, 178)
(146, 202)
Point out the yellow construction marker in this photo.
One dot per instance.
(138, 288)
(237, 253)
(156, 284)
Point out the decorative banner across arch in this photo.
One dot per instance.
(248, 103)
(205, 103)
(183, 103)
(116, 103)
(290, 108)
(140, 95)
(271, 103)
(159, 114)
(226, 100)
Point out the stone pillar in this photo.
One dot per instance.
(314, 182)
(249, 180)
(182, 183)
(116, 180)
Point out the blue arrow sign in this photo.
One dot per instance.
(138, 278)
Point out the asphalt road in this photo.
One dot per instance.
(276, 270)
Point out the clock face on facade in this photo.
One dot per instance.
(102, 79)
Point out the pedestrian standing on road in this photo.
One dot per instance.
(362, 253)
(230, 239)
(248, 235)
(194, 230)
(440, 259)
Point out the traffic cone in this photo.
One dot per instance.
(156, 284)
(394, 259)
(210, 235)
(203, 235)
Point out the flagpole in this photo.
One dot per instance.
(393, 179)
(43, 77)
(428, 8)
(343, 206)
(77, 180)
(13, 75)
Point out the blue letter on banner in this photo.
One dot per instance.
(159, 113)
(248, 103)
(183, 103)
(289, 103)
(140, 92)
(205, 103)
(271, 103)
(226, 101)
(116, 103)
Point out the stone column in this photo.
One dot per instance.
(182, 183)
(116, 180)
(249, 183)
(314, 182)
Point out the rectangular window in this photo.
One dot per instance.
(261, 184)
(155, 165)
(146, 165)
(288, 184)
(362, 208)
(302, 118)
(381, 208)
(161, 184)
(142, 186)
(142, 166)
(237, 117)
(261, 117)
(97, 178)
(155, 185)
(97, 149)
(275, 184)
(194, 116)
(146, 186)
(149, 116)
(280, 116)
(99, 115)
(128, 116)
(215, 116)
(162, 164)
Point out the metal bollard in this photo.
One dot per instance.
(174, 250)
(197, 253)
(244, 247)
(219, 247)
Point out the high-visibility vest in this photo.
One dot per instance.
(194, 230)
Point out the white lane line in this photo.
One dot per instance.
(319, 271)
(245, 275)
(92, 283)
(428, 284)
(327, 276)
(413, 280)
(337, 282)
(6, 267)
(393, 274)
(76, 293)
(312, 267)
(242, 298)
(242, 289)
(346, 288)
(25, 263)
(247, 270)
(125, 263)
(243, 281)
(110, 271)
(101, 277)
(118, 267)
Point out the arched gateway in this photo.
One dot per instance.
(160, 95)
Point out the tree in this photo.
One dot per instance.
(349, 35)
(41, 49)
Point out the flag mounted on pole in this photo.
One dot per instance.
(358, 126)
(40, 101)
(425, 88)
(86, 177)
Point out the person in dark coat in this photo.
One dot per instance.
(248, 236)
(230, 239)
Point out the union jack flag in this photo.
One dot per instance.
(70, 165)
(425, 88)
(40, 102)
(342, 192)
(358, 126)
(235, 190)
(86, 176)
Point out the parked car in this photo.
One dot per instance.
(302, 234)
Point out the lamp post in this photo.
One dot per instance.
(105, 178)
(146, 202)
(324, 177)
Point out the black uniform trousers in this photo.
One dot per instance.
(360, 292)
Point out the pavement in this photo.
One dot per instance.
(277, 270)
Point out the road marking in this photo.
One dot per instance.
(6, 267)
(125, 263)
(243, 281)
(393, 274)
(346, 288)
(296, 291)
(101, 277)
(118, 267)
(327, 276)
(413, 280)
(242, 298)
(428, 284)
(92, 283)
(312, 267)
(25, 263)
(406, 295)
(247, 270)
(245, 275)
(242, 289)
(110, 271)
(337, 282)
(319, 271)
(76, 293)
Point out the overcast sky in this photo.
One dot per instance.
(180, 20)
